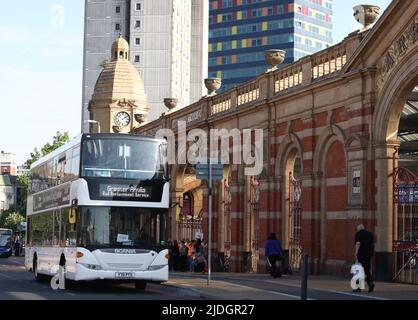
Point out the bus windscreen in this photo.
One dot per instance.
(5, 238)
(122, 159)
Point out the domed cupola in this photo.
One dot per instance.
(119, 97)
(120, 49)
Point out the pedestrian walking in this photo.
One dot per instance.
(274, 254)
(200, 259)
(364, 251)
(17, 246)
(175, 254)
(183, 256)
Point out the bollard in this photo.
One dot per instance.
(304, 285)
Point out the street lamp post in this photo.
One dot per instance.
(227, 224)
(94, 121)
(255, 197)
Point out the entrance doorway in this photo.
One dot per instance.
(405, 194)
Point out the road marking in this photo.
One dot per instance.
(7, 277)
(16, 262)
(26, 295)
(258, 289)
(330, 290)
(355, 295)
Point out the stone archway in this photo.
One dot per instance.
(289, 169)
(184, 182)
(395, 89)
(330, 173)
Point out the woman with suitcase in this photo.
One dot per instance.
(274, 253)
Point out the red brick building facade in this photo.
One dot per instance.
(330, 123)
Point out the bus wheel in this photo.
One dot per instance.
(38, 277)
(140, 285)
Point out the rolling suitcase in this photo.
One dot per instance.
(274, 271)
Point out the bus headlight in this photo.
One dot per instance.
(157, 267)
(91, 266)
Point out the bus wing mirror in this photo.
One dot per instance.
(72, 219)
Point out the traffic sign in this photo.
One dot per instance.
(209, 169)
(202, 169)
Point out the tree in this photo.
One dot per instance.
(103, 63)
(57, 141)
(13, 220)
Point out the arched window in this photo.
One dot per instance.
(187, 205)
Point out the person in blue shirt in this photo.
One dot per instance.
(273, 250)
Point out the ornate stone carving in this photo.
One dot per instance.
(399, 48)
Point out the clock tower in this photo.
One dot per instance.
(119, 103)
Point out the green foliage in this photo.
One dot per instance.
(23, 180)
(103, 63)
(11, 220)
(57, 141)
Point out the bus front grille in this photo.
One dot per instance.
(124, 266)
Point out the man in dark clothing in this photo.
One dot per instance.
(364, 250)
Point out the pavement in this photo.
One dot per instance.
(250, 286)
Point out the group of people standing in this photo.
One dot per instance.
(187, 256)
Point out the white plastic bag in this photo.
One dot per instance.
(359, 276)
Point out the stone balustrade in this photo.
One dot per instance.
(323, 65)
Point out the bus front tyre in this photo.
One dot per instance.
(140, 285)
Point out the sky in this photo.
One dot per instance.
(41, 61)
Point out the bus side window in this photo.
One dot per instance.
(61, 169)
(67, 169)
(75, 161)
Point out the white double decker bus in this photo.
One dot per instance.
(99, 206)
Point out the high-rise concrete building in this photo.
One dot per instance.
(241, 31)
(168, 45)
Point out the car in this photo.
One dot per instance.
(5, 251)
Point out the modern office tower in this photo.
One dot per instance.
(168, 45)
(241, 30)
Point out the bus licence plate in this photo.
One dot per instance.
(124, 275)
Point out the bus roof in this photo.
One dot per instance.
(57, 151)
(79, 138)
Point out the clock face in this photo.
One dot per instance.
(122, 119)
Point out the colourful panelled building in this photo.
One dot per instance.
(241, 30)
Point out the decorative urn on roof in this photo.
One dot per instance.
(171, 103)
(366, 15)
(212, 84)
(274, 57)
